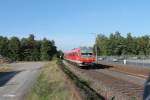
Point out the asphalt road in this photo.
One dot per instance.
(15, 85)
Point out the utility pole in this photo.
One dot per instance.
(96, 54)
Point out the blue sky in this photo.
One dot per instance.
(70, 22)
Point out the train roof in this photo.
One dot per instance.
(87, 51)
(82, 49)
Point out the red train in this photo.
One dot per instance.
(81, 56)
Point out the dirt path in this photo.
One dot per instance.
(15, 85)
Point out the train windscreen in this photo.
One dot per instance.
(87, 55)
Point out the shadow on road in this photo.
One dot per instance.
(6, 76)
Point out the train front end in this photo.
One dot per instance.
(87, 57)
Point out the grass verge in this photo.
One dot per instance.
(50, 85)
(86, 91)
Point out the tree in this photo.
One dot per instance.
(24, 50)
(101, 43)
(34, 48)
(27, 49)
(4, 46)
(30, 48)
(144, 45)
(36, 51)
(60, 54)
(14, 48)
(46, 48)
(54, 49)
(115, 44)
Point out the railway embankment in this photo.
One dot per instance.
(82, 83)
(108, 86)
(129, 69)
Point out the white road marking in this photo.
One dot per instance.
(9, 95)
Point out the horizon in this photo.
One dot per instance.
(90, 45)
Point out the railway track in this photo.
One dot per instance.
(85, 92)
(132, 70)
(110, 86)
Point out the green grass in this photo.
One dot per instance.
(50, 85)
(83, 85)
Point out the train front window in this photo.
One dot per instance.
(86, 54)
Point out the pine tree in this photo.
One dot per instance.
(46, 48)
(4, 46)
(14, 48)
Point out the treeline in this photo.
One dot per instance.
(27, 49)
(115, 44)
